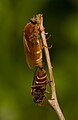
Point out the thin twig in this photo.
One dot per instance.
(53, 101)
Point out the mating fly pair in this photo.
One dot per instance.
(33, 50)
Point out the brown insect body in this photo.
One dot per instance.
(33, 43)
(39, 86)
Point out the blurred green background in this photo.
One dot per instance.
(61, 21)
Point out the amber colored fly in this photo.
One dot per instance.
(39, 86)
(33, 43)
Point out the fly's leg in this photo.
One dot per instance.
(42, 104)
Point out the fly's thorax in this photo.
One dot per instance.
(29, 29)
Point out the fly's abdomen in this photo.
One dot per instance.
(39, 86)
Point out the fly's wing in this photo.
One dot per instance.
(27, 53)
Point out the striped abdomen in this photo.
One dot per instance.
(39, 86)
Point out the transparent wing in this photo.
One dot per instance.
(27, 53)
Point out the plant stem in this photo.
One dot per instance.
(53, 101)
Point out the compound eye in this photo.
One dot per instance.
(33, 21)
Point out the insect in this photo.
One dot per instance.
(33, 43)
(39, 86)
